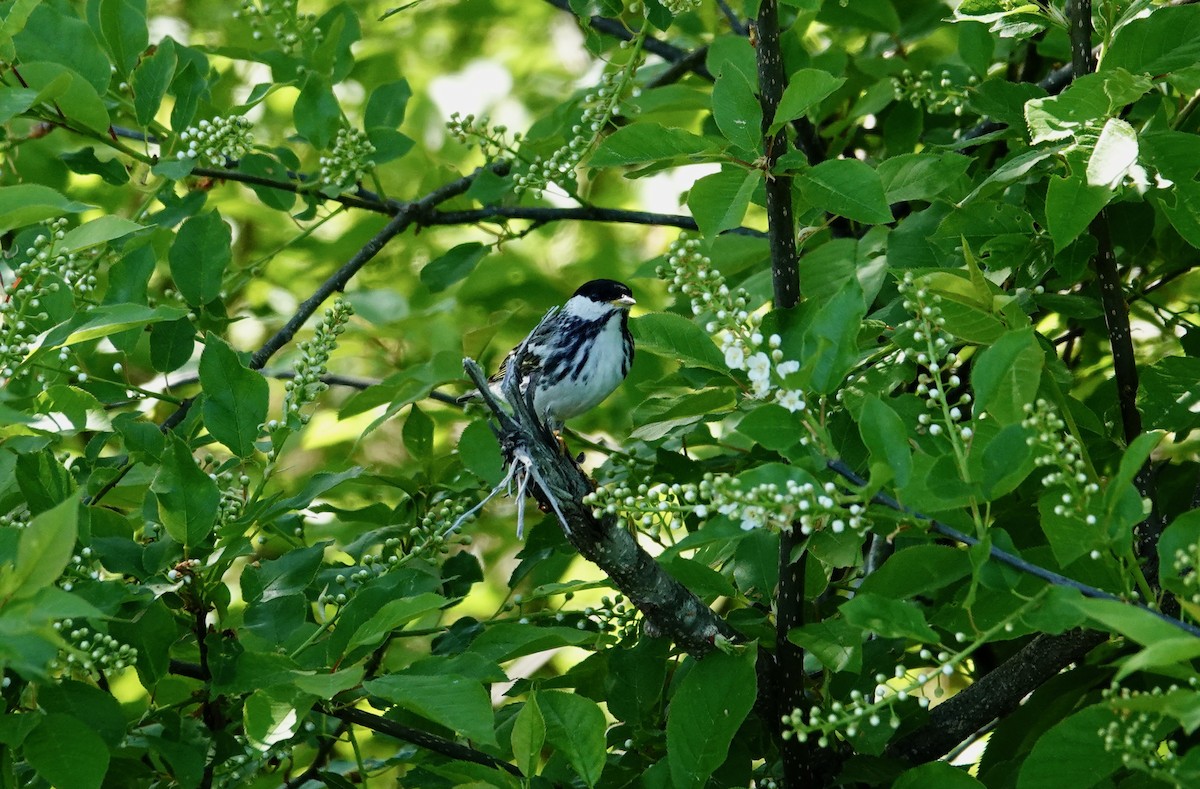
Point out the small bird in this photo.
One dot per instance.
(577, 355)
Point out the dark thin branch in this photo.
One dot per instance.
(580, 214)
(614, 28)
(382, 725)
(413, 212)
(379, 724)
(735, 23)
(1016, 562)
(670, 609)
(799, 768)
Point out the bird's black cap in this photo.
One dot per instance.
(605, 291)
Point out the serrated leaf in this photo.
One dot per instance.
(528, 736)
(806, 88)
(458, 703)
(150, 81)
(1071, 205)
(1006, 376)
(575, 726)
(106, 320)
(67, 753)
(706, 710)
(885, 435)
(887, 617)
(643, 143)
(198, 257)
(1115, 153)
(187, 497)
(393, 615)
(235, 397)
(675, 337)
(44, 548)
(123, 25)
(719, 201)
(453, 266)
(737, 111)
(1166, 40)
(25, 204)
(97, 231)
(846, 187)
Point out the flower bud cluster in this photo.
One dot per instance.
(492, 141)
(1137, 735)
(90, 651)
(926, 341)
(614, 616)
(677, 7)
(233, 488)
(877, 707)
(286, 24)
(1185, 561)
(217, 142)
(183, 572)
(1058, 450)
(938, 94)
(348, 162)
(690, 272)
(429, 539)
(83, 565)
(17, 519)
(599, 106)
(21, 298)
(306, 385)
(765, 505)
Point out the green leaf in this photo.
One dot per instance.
(939, 774)
(123, 25)
(171, 344)
(528, 736)
(317, 114)
(67, 753)
(575, 726)
(1071, 205)
(14, 22)
(1179, 540)
(737, 111)
(884, 433)
(198, 257)
(887, 617)
(418, 433)
(25, 204)
(386, 106)
(706, 710)
(273, 715)
(458, 703)
(235, 397)
(453, 266)
(512, 640)
(150, 81)
(846, 187)
(84, 162)
(642, 143)
(834, 642)
(1166, 40)
(187, 497)
(263, 166)
(43, 550)
(72, 93)
(877, 15)
(1115, 153)
(98, 231)
(917, 570)
(1007, 461)
(920, 176)
(806, 88)
(392, 616)
(99, 710)
(1006, 376)
(1070, 749)
(719, 201)
(64, 39)
(107, 320)
(14, 101)
(675, 337)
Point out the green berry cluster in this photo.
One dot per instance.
(1139, 735)
(35, 275)
(614, 616)
(492, 141)
(218, 142)
(1059, 451)
(306, 384)
(770, 505)
(940, 94)
(599, 106)
(283, 20)
(91, 652)
(677, 7)
(348, 162)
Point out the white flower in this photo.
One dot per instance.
(792, 400)
(787, 368)
(735, 357)
(759, 368)
(761, 387)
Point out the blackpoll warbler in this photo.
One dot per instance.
(577, 355)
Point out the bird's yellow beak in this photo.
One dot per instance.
(625, 302)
